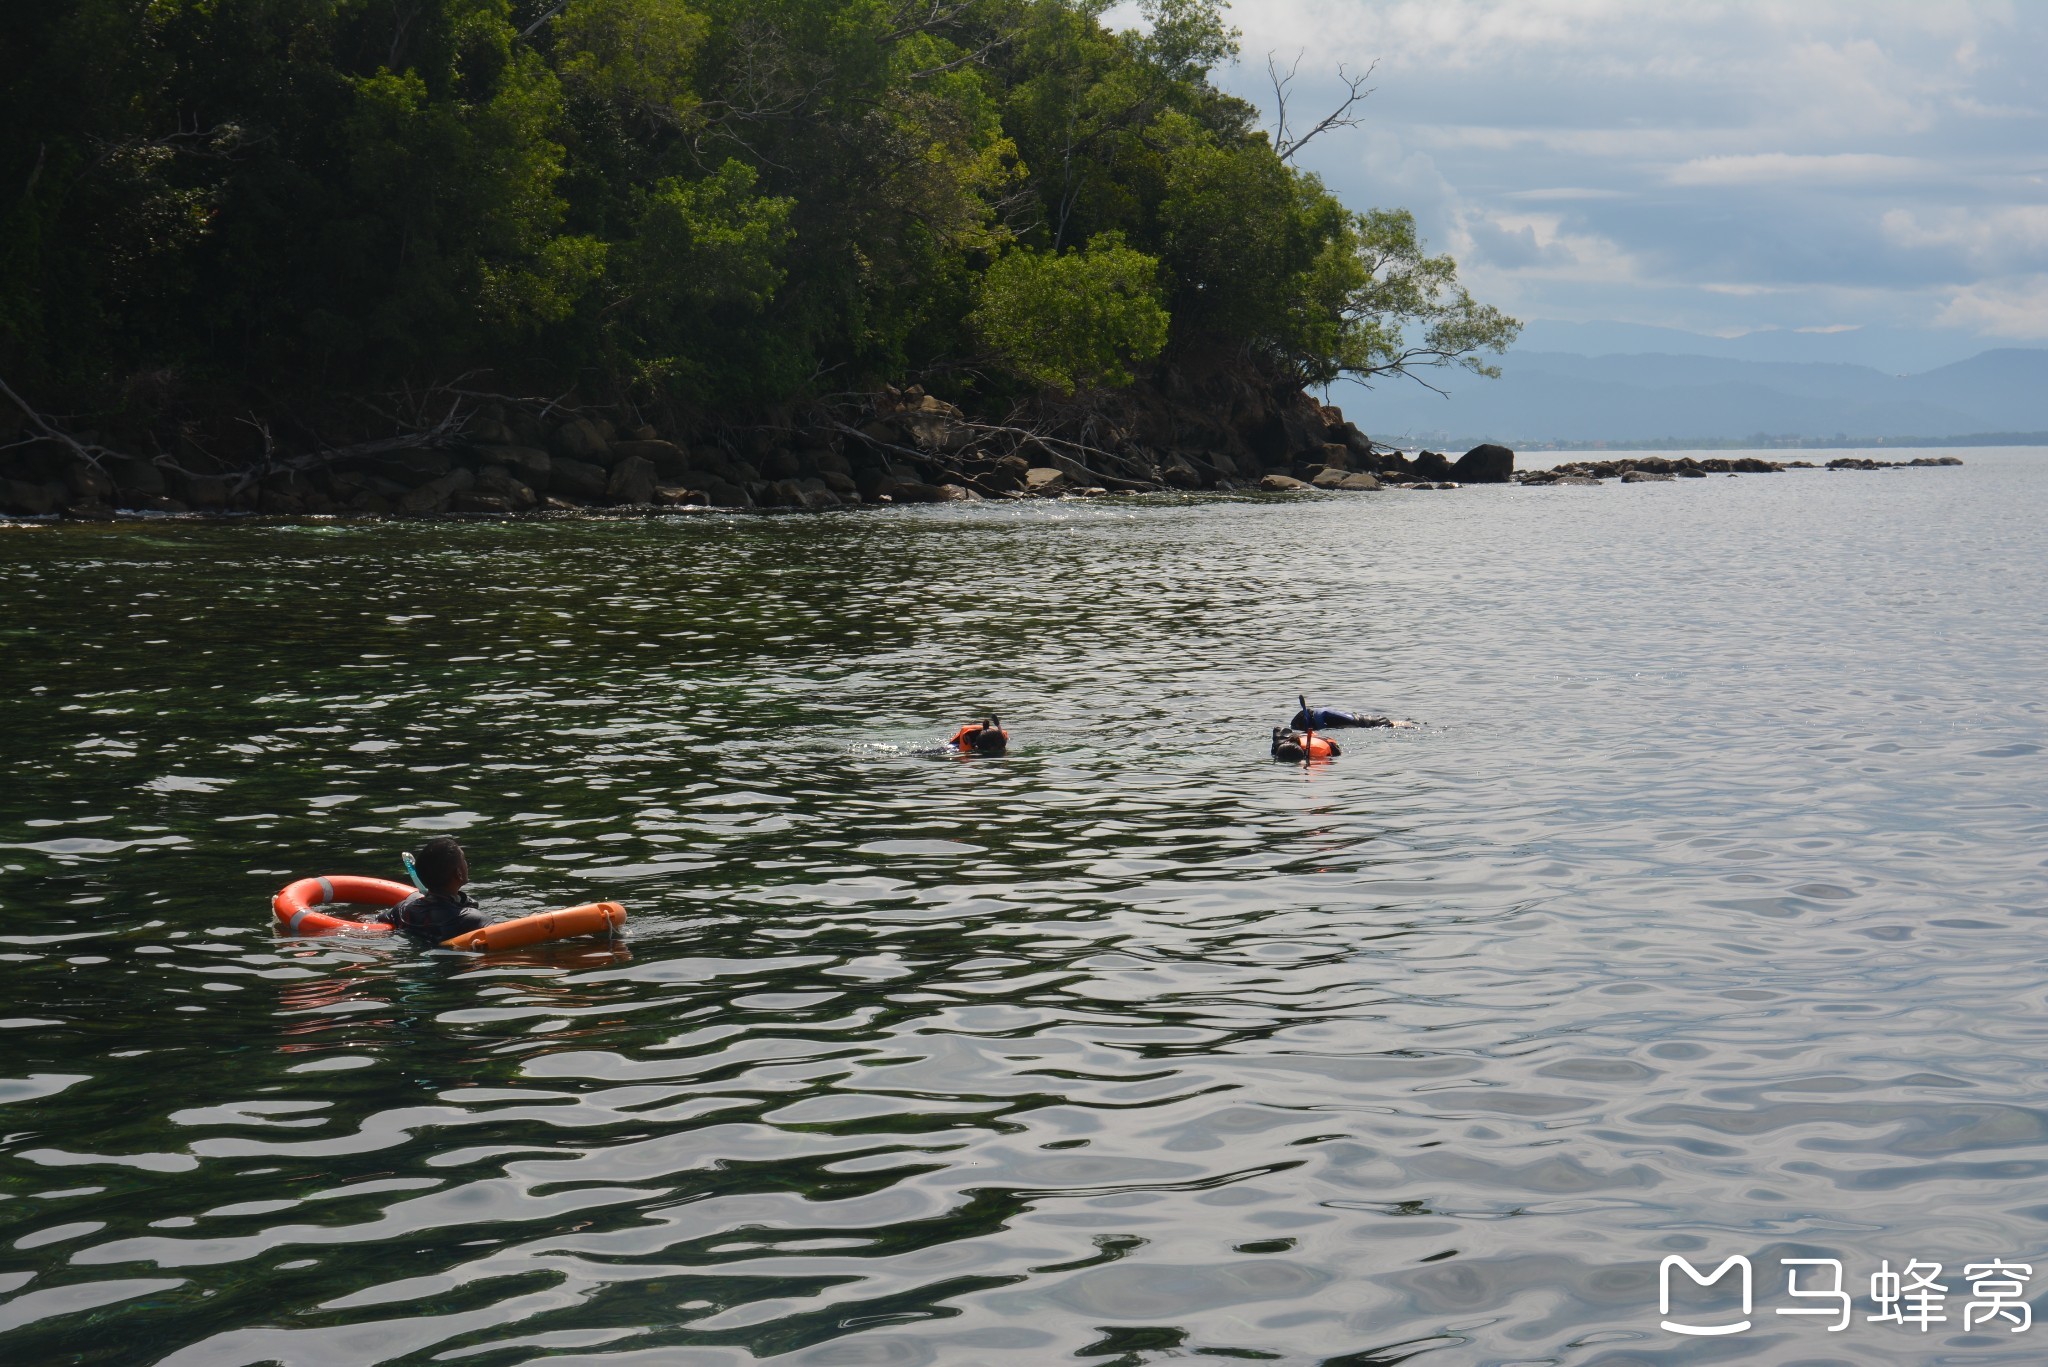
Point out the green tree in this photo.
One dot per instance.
(1375, 304)
(1072, 320)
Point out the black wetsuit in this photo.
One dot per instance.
(1330, 719)
(433, 916)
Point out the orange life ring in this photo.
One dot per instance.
(294, 906)
(1318, 748)
(295, 915)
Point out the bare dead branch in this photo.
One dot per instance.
(89, 452)
(1285, 144)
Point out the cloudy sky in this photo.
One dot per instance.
(1875, 173)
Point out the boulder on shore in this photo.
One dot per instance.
(576, 479)
(1280, 484)
(435, 494)
(632, 481)
(581, 439)
(1485, 464)
(1430, 465)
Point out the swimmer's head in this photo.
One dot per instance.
(990, 739)
(442, 865)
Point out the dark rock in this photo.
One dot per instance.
(958, 493)
(480, 501)
(632, 481)
(1645, 476)
(780, 465)
(435, 495)
(25, 498)
(935, 425)
(488, 432)
(417, 467)
(1692, 472)
(581, 439)
(1485, 464)
(1336, 457)
(498, 481)
(206, 493)
(89, 485)
(901, 490)
(531, 465)
(669, 460)
(577, 479)
(840, 484)
(723, 493)
(1430, 465)
(133, 476)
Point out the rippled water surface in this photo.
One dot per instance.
(1702, 915)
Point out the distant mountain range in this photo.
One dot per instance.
(1553, 396)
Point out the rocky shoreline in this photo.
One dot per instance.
(515, 458)
(1645, 469)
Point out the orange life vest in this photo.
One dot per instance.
(963, 739)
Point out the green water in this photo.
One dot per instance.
(1698, 916)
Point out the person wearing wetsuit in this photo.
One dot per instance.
(444, 910)
(1299, 745)
(989, 738)
(1330, 719)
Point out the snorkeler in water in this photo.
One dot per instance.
(1299, 745)
(984, 738)
(1330, 719)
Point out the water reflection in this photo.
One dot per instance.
(1693, 920)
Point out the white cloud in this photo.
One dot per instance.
(1987, 240)
(1811, 168)
(1711, 165)
(2013, 309)
(1563, 194)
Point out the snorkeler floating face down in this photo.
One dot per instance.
(987, 738)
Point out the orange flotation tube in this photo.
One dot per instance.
(294, 908)
(594, 918)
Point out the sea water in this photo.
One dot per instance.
(1701, 916)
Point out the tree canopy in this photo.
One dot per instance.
(724, 202)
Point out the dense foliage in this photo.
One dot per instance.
(729, 202)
